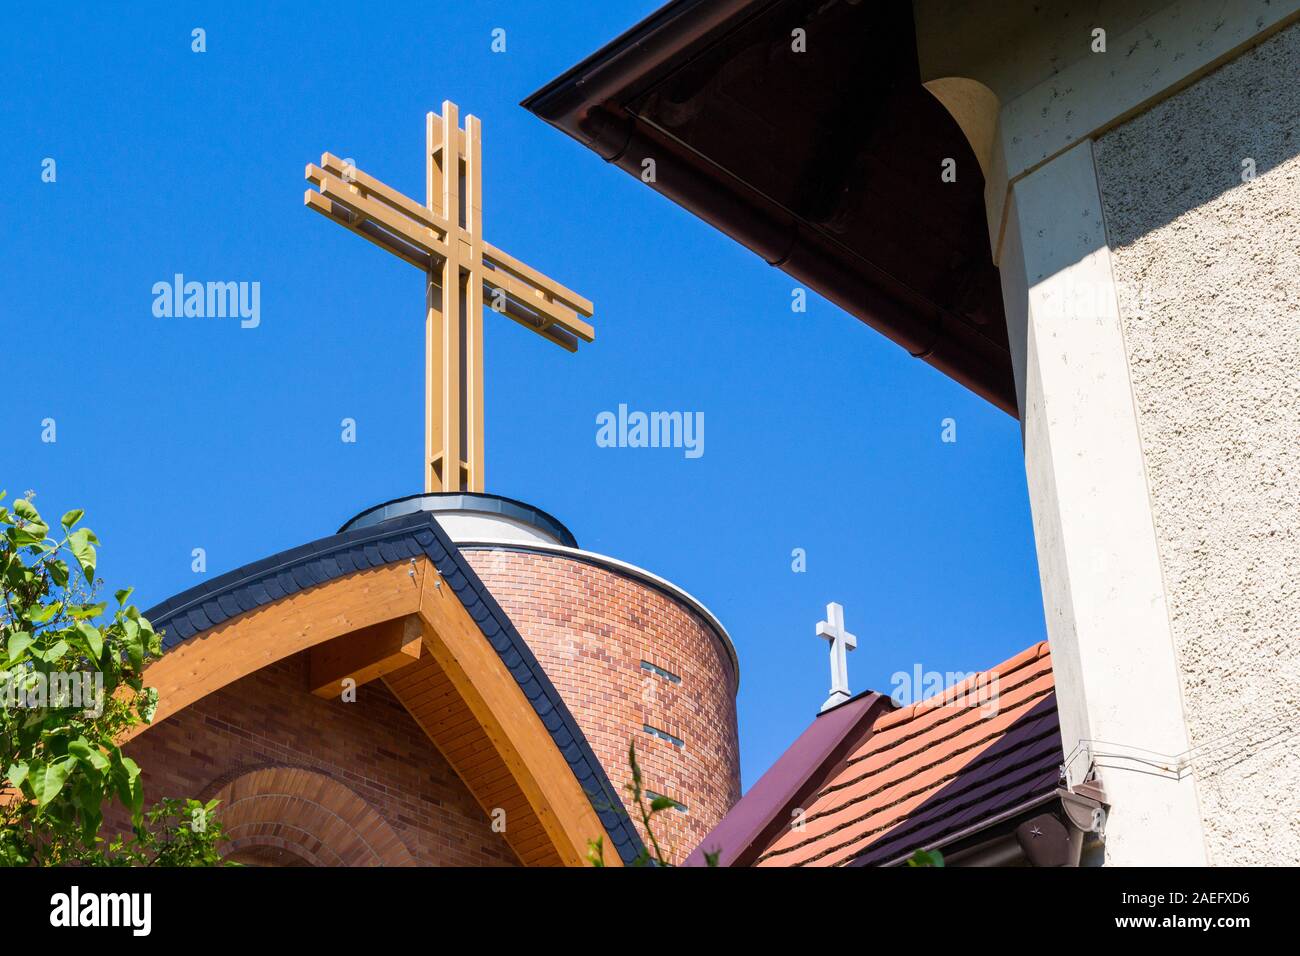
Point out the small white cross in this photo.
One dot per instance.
(841, 642)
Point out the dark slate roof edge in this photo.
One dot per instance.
(605, 800)
(267, 580)
(283, 561)
(472, 501)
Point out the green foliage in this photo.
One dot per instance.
(654, 854)
(174, 833)
(925, 858)
(183, 833)
(71, 683)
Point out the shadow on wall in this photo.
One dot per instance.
(1231, 127)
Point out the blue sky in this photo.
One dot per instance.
(176, 433)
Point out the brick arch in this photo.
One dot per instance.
(308, 814)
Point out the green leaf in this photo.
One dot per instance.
(662, 803)
(126, 778)
(58, 573)
(18, 645)
(148, 704)
(47, 612)
(926, 858)
(32, 534)
(81, 543)
(71, 518)
(89, 798)
(123, 595)
(17, 773)
(636, 768)
(35, 529)
(153, 640)
(83, 611)
(90, 756)
(46, 780)
(94, 640)
(134, 643)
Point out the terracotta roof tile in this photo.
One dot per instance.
(970, 753)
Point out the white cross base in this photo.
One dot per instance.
(841, 641)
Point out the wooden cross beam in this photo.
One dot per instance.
(364, 654)
(444, 237)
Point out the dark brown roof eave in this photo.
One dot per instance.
(586, 103)
(631, 58)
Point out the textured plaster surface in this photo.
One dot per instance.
(1208, 274)
(1058, 89)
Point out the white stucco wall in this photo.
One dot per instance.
(1207, 270)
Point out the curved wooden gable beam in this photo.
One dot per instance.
(248, 642)
(251, 641)
(509, 721)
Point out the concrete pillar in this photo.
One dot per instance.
(1152, 295)
(1107, 618)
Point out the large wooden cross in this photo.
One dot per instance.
(444, 237)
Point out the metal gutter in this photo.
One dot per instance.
(977, 827)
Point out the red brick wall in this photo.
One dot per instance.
(591, 628)
(371, 747)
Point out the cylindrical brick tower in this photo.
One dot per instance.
(636, 658)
